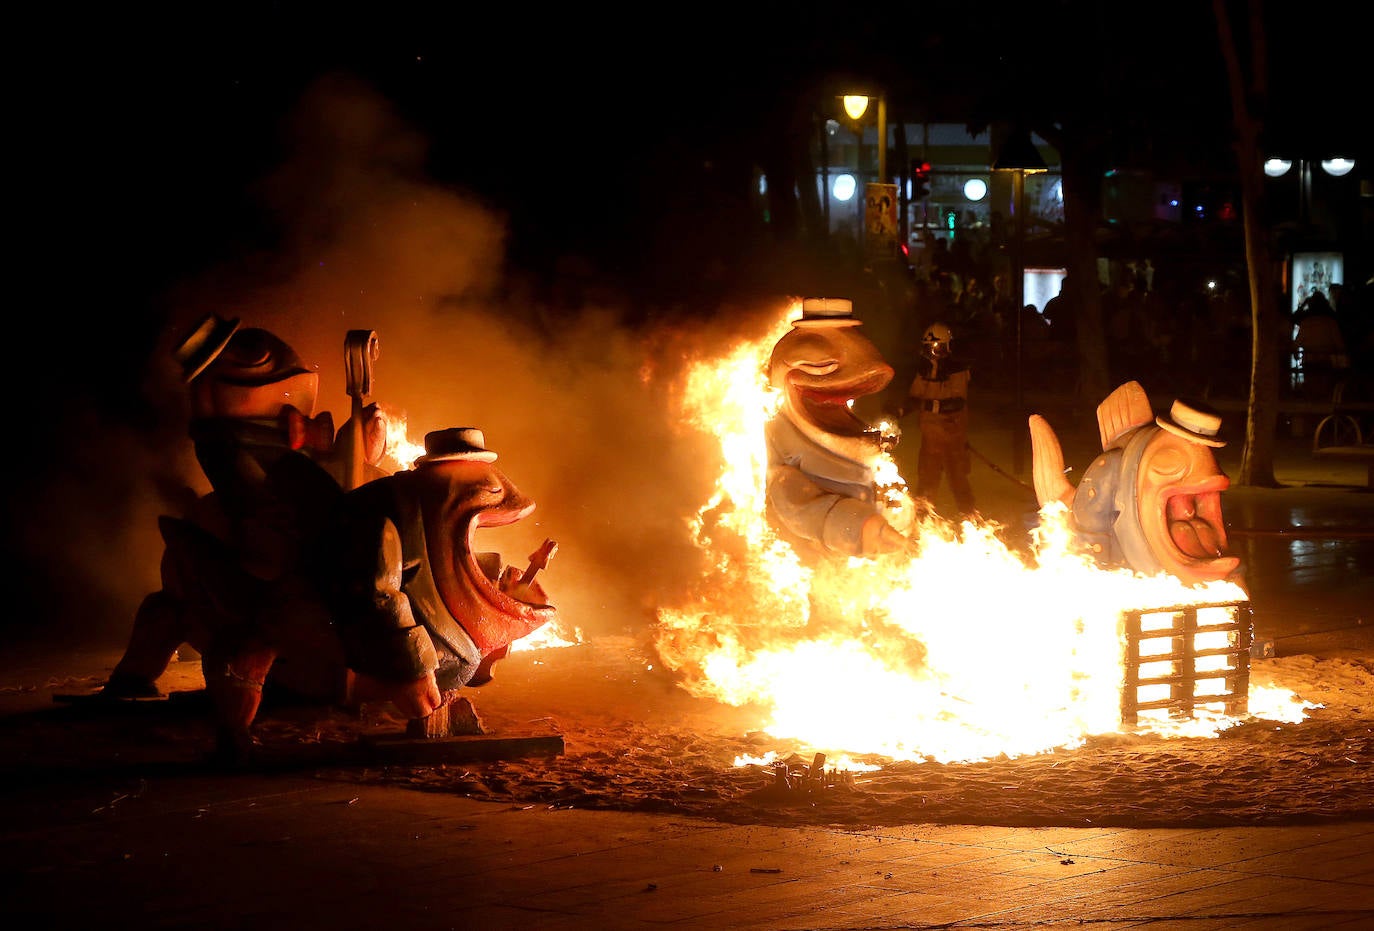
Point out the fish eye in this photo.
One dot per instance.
(1169, 461)
(818, 368)
(482, 490)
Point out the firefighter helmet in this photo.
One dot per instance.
(936, 341)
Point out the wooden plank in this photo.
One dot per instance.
(1180, 679)
(1130, 692)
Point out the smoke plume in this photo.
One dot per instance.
(577, 402)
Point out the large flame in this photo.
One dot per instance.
(966, 651)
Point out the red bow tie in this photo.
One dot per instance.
(313, 433)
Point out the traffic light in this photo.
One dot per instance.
(920, 180)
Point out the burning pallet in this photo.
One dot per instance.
(1187, 658)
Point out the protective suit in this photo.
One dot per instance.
(939, 396)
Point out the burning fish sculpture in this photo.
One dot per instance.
(1152, 500)
(821, 494)
(286, 574)
(419, 611)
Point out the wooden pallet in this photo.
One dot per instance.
(1185, 658)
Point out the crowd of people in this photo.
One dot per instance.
(1193, 335)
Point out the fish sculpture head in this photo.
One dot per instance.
(461, 491)
(1152, 499)
(822, 366)
(244, 372)
(1178, 486)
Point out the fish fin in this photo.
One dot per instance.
(1126, 407)
(1047, 464)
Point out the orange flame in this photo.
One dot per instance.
(968, 651)
(400, 451)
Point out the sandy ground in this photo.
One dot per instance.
(634, 740)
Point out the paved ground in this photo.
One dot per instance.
(222, 852)
(211, 850)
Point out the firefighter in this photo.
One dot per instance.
(939, 394)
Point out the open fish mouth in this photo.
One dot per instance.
(828, 405)
(1193, 516)
(484, 570)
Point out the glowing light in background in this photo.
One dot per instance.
(843, 187)
(1277, 167)
(1337, 167)
(975, 189)
(855, 105)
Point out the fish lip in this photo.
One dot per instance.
(499, 515)
(827, 403)
(1214, 483)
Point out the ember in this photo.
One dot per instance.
(963, 650)
(799, 783)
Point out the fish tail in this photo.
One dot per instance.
(1047, 464)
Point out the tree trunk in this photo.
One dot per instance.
(1247, 106)
(1083, 161)
(812, 213)
(1082, 180)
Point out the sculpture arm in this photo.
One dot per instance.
(382, 637)
(881, 537)
(833, 521)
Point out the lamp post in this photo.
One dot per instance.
(856, 105)
(1019, 157)
(880, 198)
(1335, 167)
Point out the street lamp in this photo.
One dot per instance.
(1019, 157)
(879, 218)
(1337, 167)
(855, 106)
(1277, 167)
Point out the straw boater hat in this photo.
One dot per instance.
(203, 344)
(1192, 424)
(456, 443)
(827, 311)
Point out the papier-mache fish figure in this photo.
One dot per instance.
(821, 495)
(1152, 500)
